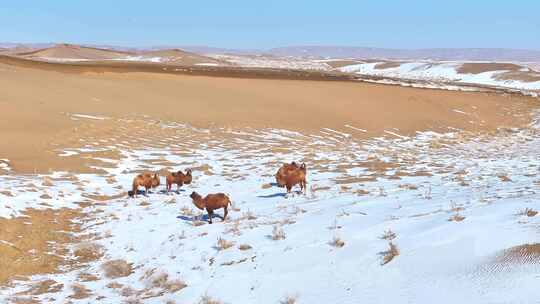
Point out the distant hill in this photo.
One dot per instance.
(73, 52)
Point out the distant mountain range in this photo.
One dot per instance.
(453, 54)
(472, 54)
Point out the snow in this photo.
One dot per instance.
(439, 72)
(440, 261)
(75, 116)
(140, 58)
(272, 62)
(55, 59)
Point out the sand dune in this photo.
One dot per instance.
(72, 52)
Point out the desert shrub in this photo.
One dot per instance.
(278, 233)
(390, 254)
(117, 269)
(223, 244)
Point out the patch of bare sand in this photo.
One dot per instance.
(36, 243)
(528, 76)
(35, 122)
(388, 65)
(481, 67)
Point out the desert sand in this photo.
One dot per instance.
(39, 100)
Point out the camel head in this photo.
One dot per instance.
(197, 200)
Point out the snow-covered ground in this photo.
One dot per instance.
(451, 203)
(142, 58)
(272, 62)
(441, 72)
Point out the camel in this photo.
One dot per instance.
(296, 176)
(284, 171)
(178, 178)
(211, 202)
(147, 180)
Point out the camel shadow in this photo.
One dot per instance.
(279, 194)
(139, 192)
(203, 218)
(172, 191)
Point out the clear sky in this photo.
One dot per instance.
(266, 24)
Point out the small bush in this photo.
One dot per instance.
(456, 218)
(244, 247)
(390, 254)
(337, 242)
(87, 252)
(389, 235)
(117, 269)
(528, 212)
(79, 292)
(278, 233)
(289, 300)
(206, 299)
(223, 244)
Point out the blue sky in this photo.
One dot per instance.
(266, 24)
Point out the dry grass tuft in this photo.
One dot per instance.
(87, 252)
(337, 242)
(456, 218)
(187, 211)
(234, 229)
(504, 178)
(390, 254)
(47, 181)
(248, 216)
(114, 285)
(278, 233)
(197, 223)
(244, 247)
(175, 285)
(117, 269)
(389, 235)
(289, 300)
(162, 281)
(79, 292)
(86, 277)
(455, 207)
(206, 299)
(223, 244)
(528, 212)
(46, 286)
(266, 186)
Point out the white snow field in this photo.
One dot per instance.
(257, 61)
(440, 72)
(453, 205)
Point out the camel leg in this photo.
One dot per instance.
(210, 214)
(178, 188)
(145, 191)
(225, 212)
